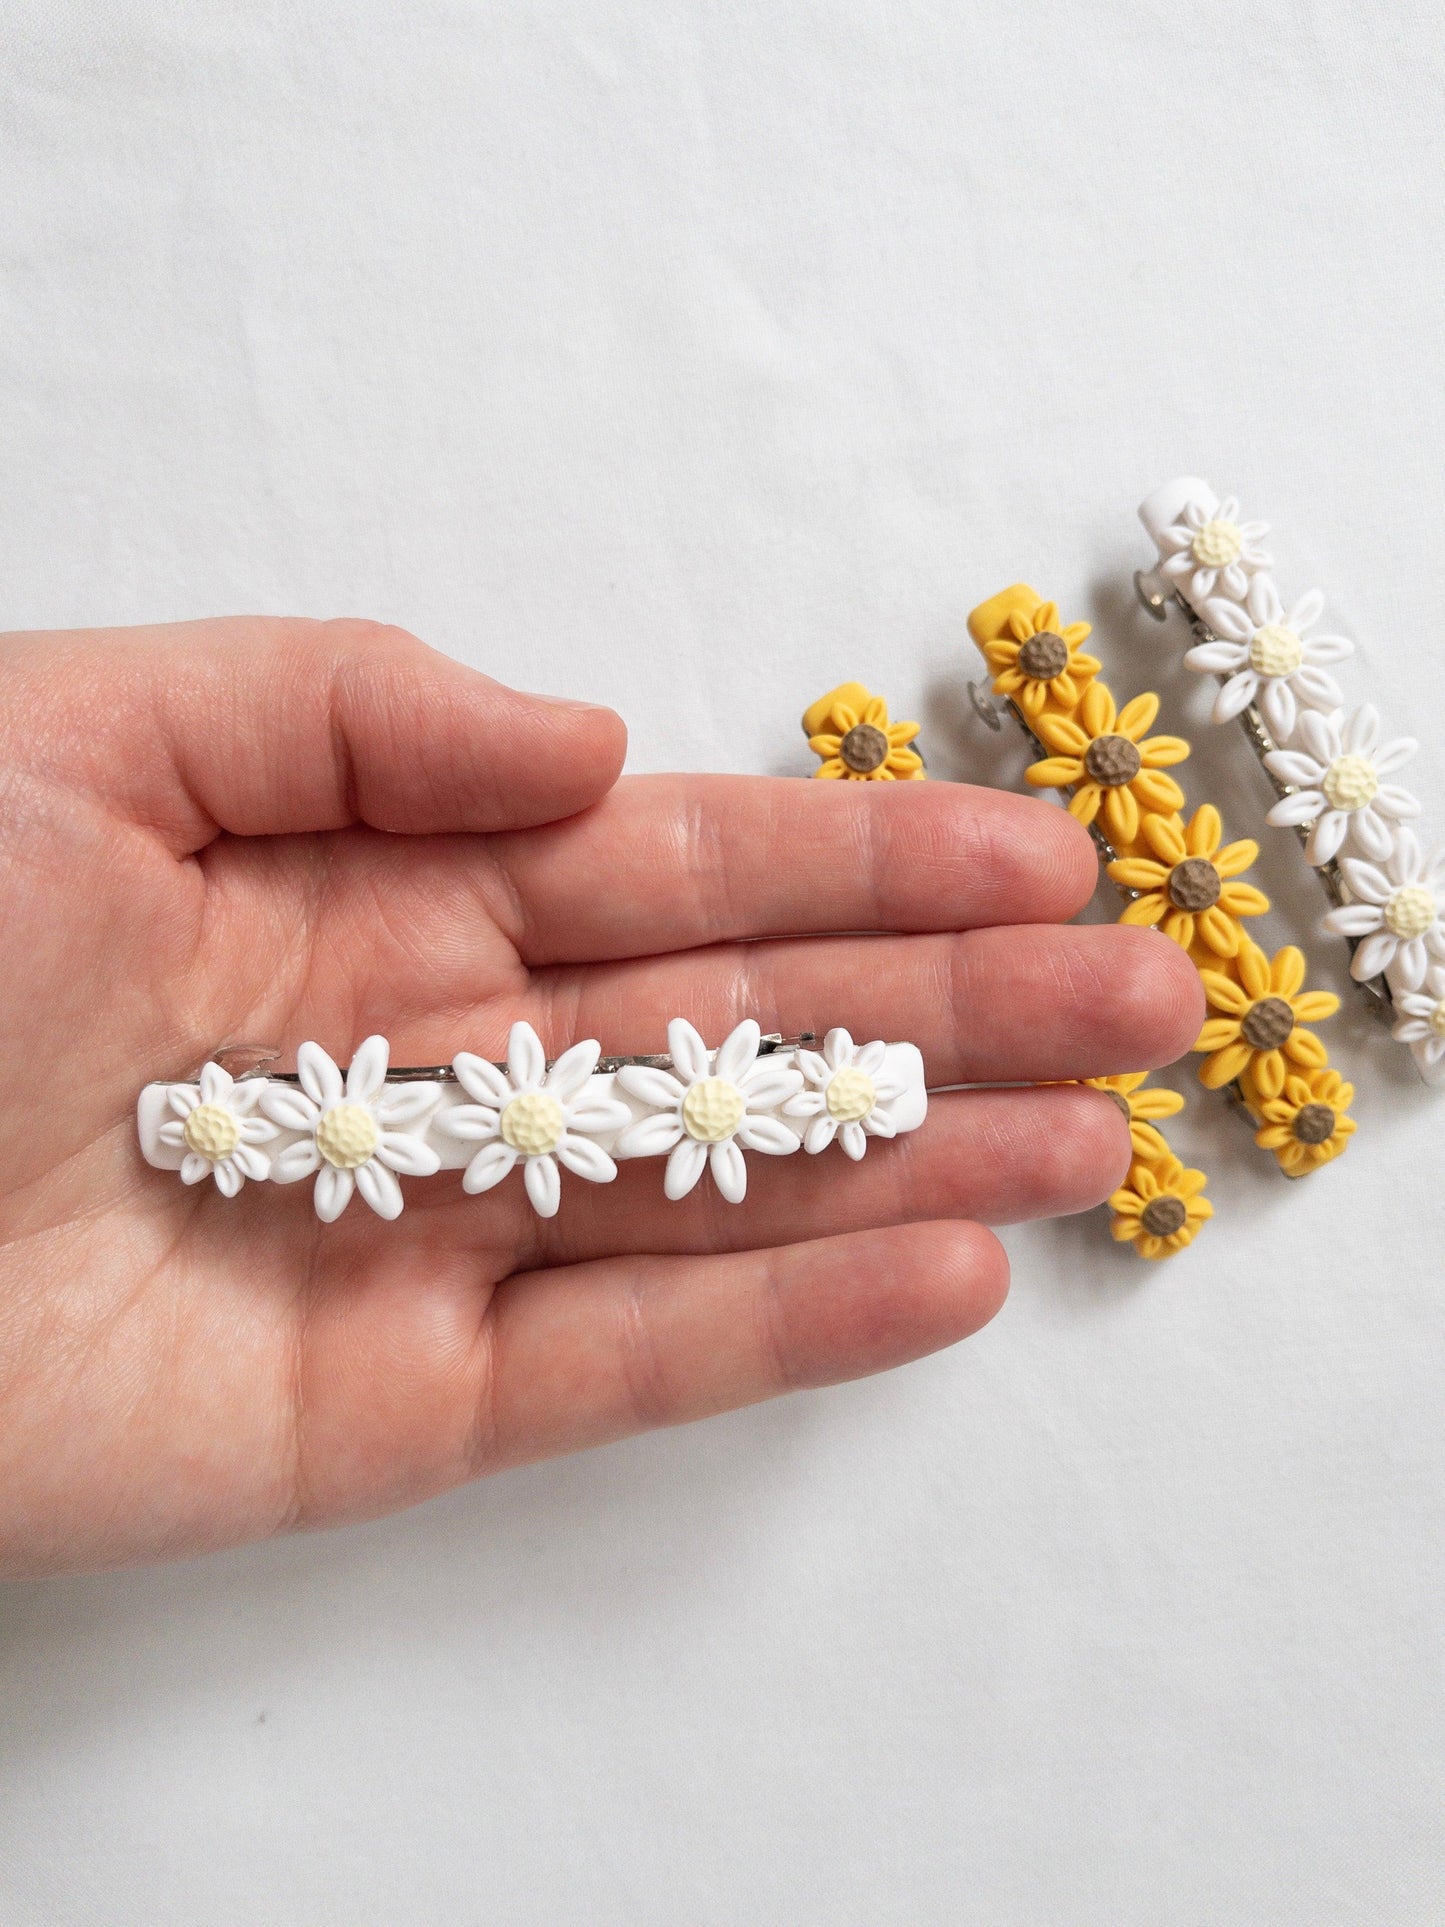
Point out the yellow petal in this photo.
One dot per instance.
(1145, 1140)
(1138, 873)
(1165, 837)
(1096, 712)
(1159, 752)
(845, 717)
(825, 745)
(875, 711)
(1236, 857)
(1032, 695)
(1063, 735)
(1179, 928)
(1076, 633)
(1157, 791)
(1020, 624)
(1303, 1047)
(1135, 717)
(1199, 1209)
(1084, 803)
(1224, 993)
(1287, 972)
(1055, 773)
(1314, 1006)
(1121, 815)
(900, 733)
(1253, 968)
(1204, 832)
(1224, 1066)
(1272, 1136)
(1222, 934)
(1267, 1071)
(1062, 689)
(902, 762)
(1217, 1032)
(1001, 655)
(1144, 912)
(833, 767)
(1243, 900)
(1124, 1230)
(1157, 1101)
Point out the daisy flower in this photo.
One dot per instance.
(849, 1096)
(1421, 1023)
(1204, 552)
(545, 1118)
(352, 1140)
(215, 1128)
(1261, 1029)
(1140, 1106)
(1338, 770)
(1268, 657)
(707, 1112)
(1306, 1125)
(1105, 758)
(1159, 1211)
(1040, 660)
(859, 745)
(1189, 885)
(1396, 913)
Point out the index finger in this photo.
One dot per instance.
(670, 862)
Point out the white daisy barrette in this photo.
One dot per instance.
(358, 1133)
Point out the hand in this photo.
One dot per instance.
(273, 831)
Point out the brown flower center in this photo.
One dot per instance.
(1112, 761)
(1120, 1099)
(1314, 1123)
(1044, 656)
(1267, 1024)
(1162, 1217)
(864, 748)
(1194, 884)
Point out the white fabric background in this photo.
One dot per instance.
(694, 357)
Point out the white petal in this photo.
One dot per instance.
(405, 1151)
(297, 1161)
(684, 1168)
(813, 1065)
(481, 1080)
(1303, 807)
(820, 1133)
(1326, 836)
(1432, 868)
(1395, 755)
(291, 1108)
(333, 1192)
(1407, 860)
(1366, 882)
(406, 1103)
(367, 1071)
(688, 1051)
(250, 1162)
(379, 1188)
(573, 1068)
(183, 1099)
(472, 1123)
(320, 1078)
(229, 1177)
(544, 1183)
(1354, 919)
(1291, 767)
(729, 1171)
(1235, 578)
(1314, 687)
(244, 1094)
(870, 1059)
(587, 1159)
(1318, 737)
(1278, 707)
(489, 1166)
(880, 1123)
(215, 1087)
(649, 1137)
(173, 1132)
(526, 1059)
(652, 1086)
(1370, 835)
(1362, 731)
(1391, 800)
(1373, 955)
(837, 1048)
(1410, 1030)
(1216, 658)
(257, 1130)
(1305, 613)
(806, 1104)
(738, 1052)
(767, 1134)
(1232, 627)
(194, 1167)
(1407, 969)
(853, 1139)
(1322, 649)
(597, 1114)
(765, 1085)
(1236, 695)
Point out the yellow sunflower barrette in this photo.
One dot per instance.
(1160, 1209)
(849, 731)
(1040, 660)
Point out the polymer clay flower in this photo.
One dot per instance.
(215, 1128)
(860, 745)
(353, 1140)
(1189, 885)
(1269, 657)
(1261, 1026)
(1421, 1023)
(848, 1095)
(1140, 1106)
(1112, 767)
(1396, 913)
(1204, 553)
(1307, 1124)
(1338, 769)
(1160, 1209)
(706, 1112)
(1041, 660)
(542, 1118)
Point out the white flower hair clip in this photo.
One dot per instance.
(361, 1132)
(1333, 769)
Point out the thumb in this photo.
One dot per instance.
(262, 727)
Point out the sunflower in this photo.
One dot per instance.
(1102, 758)
(1308, 1123)
(1161, 1208)
(1040, 660)
(1261, 1029)
(1189, 888)
(1139, 1106)
(856, 741)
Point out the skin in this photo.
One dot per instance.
(267, 831)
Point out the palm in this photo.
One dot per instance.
(179, 1370)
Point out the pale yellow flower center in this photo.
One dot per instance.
(1410, 912)
(533, 1123)
(712, 1110)
(212, 1131)
(1350, 782)
(1436, 1019)
(1275, 650)
(850, 1095)
(1218, 544)
(346, 1135)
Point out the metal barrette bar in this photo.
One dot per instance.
(245, 1061)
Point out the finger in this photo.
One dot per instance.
(260, 726)
(998, 1156)
(594, 1352)
(668, 862)
(1034, 1004)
